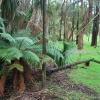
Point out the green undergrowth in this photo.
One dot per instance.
(87, 75)
(81, 74)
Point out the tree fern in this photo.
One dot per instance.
(30, 56)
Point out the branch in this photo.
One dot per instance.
(90, 21)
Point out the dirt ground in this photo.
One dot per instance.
(36, 92)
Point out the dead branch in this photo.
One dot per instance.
(51, 69)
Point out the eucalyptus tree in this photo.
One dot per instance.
(52, 17)
(95, 29)
(86, 16)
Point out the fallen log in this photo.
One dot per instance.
(79, 62)
(96, 61)
(50, 70)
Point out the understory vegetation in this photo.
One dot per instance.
(86, 77)
(49, 49)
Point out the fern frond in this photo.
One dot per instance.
(54, 51)
(8, 37)
(3, 44)
(23, 42)
(30, 56)
(37, 37)
(9, 54)
(45, 59)
(2, 25)
(17, 66)
(22, 33)
(52, 37)
(36, 48)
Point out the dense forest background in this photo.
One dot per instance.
(41, 33)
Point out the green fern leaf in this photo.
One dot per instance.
(7, 37)
(30, 56)
(53, 50)
(45, 59)
(17, 66)
(23, 42)
(3, 44)
(23, 33)
(8, 54)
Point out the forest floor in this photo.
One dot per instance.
(59, 87)
(78, 83)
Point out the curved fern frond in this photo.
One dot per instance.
(52, 37)
(23, 42)
(9, 54)
(36, 48)
(17, 66)
(3, 44)
(8, 37)
(45, 59)
(30, 56)
(23, 33)
(54, 52)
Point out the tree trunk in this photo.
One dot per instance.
(35, 22)
(44, 42)
(65, 30)
(77, 25)
(85, 21)
(95, 28)
(80, 40)
(60, 29)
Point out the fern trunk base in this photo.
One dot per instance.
(2, 83)
(28, 74)
(22, 86)
(15, 80)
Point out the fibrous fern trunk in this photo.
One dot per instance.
(28, 73)
(18, 81)
(2, 83)
(22, 86)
